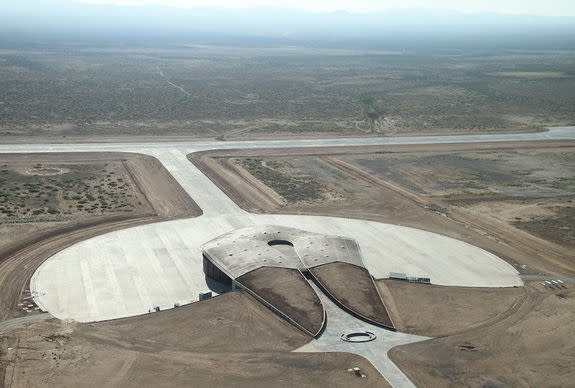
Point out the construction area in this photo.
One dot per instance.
(226, 258)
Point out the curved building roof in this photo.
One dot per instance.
(269, 261)
(244, 250)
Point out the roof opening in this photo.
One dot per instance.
(279, 242)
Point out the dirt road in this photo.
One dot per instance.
(23, 320)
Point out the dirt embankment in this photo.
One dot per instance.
(231, 340)
(21, 254)
(166, 196)
(288, 291)
(353, 287)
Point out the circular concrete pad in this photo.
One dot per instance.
(131, 271)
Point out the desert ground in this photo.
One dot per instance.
(229, 340)
(96, 193)
(237, 336)
(447, 157)
(514, 200)
(528, 345)
(81, 92)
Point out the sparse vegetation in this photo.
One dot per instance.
(530, 74)
(43, 193)
(559, 227)
(456, 176)
(90, 91)
(293, 188)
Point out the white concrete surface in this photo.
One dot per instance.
(130, 271)
(207, 196)
(554, 133)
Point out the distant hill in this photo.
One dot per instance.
(61, 18)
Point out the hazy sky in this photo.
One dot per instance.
(531, 7)
(289, 19)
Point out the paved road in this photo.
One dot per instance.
(23, 320)
(555, 133)
(566, 280)
(207, 196)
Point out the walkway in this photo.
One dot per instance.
(339, 322)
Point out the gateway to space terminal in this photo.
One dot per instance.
(278, 265)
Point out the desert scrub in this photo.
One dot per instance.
(83, 190)
(293, 188)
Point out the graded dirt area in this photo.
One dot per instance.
(431, 310)
(343, 188)
(550, 219)
(353, 287)
(288, 291)
(533, 347)
(231, 340)
(93, 193)
(483, 181)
